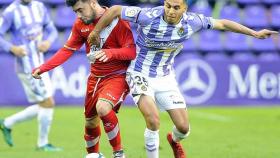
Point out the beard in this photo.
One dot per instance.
(91, 19)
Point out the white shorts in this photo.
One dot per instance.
(164, 90)
(36, 90)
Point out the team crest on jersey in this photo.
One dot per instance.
(131, 12)
(181, 31)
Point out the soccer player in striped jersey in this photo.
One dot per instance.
(106, 86)
(33, 33)
(161, 32)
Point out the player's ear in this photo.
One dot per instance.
(92, 3)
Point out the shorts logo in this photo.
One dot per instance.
(131, 12)
(197, 80)
(144, 88)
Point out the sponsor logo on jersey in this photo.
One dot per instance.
(85, 30)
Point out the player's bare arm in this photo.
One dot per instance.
(223, 24)
(18, 51)
(106, 19)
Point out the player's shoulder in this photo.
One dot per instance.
(153, 12)
(148, 15)
(78, 23)
(192, 18)
(11, 7)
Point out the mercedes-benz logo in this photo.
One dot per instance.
(197, 80)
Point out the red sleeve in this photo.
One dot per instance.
(75, 40)
(59, 58)
(125, 40)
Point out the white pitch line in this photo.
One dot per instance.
(211, 116)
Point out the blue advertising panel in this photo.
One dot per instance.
(212, 80)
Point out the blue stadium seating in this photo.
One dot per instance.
(255, 16)
(269, 56)
(248, 1)
(275, 16)
(263, 45)
(5, 2)
(236, 42)
(56, 45)
(190, 45)
(244, 57)
(65, 17)
(210, 40)
(271, 2)
(230, 12)
(54, 2)
(205, 10)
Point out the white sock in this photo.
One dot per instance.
(152, 143)
(45, 117)
(24, 115)
(177, 136)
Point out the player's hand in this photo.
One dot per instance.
(44, 46)
(94, 39)
(101, 56)
(36, 73)
(263, 34)
(18, 51)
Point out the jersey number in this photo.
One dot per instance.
(141, 80)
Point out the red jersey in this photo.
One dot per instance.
(119, 43)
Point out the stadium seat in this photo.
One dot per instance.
(230, 12)
(269, 56)
(236, 42)
(5, 2)
(54, 2)
(217, 56)
(56, 45)
(271, 2)
(248, 2)
(244, 57)
(66, 34)
(210, 40)
(255, 16)
(64, 18)
(263, 44)
(205, 10)
(190, 45)
(275, 16)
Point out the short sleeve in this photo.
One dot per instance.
(199, 21)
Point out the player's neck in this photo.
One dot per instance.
(100, 11)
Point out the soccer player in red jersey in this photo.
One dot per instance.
(106, 86)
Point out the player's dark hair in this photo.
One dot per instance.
(184, 1)
(71, 3)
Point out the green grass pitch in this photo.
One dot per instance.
(231, 132)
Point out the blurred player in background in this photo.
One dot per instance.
(161, 32)
(106, 87)
(33, 33)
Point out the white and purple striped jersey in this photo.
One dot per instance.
(159, 42)
(29, 24)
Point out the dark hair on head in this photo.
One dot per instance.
(71, 3)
